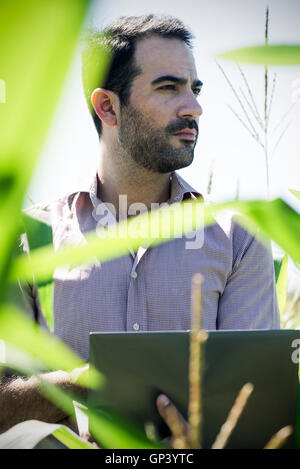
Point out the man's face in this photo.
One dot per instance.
(159, 125)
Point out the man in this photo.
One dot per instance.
(147, 116)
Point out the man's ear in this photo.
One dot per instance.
(105, 103)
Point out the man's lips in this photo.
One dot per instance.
(186, 134)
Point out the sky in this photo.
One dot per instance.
(225, 147)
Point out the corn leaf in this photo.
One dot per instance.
(155, 228)
(275, 220)
(269, 54)
(70, 439)
(37, 41)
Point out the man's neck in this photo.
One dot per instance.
(136, 184)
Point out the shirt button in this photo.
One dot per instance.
(134, 275)
(136, 326)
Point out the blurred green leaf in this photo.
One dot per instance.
(38, 233)
(46, 297)
(281, 285)
(156, 227)
(70, 439)
(275, 220)
(269, 219)
(270, 54)
(37, 41)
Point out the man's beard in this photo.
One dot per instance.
(149, 146)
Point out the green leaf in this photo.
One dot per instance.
(38, 233)
(270, 54)
(46, 297)
(155, 228)
(37, 41)
(269, 219)
(276, 220)
(70, 439)
(281, 285)
(277, 266)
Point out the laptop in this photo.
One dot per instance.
(139, 366)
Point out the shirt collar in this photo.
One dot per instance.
(180, 190)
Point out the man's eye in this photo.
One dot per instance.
(167, 87)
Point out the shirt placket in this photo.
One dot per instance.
(136, 307)
(136, 301)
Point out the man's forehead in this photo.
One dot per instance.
(157, 56)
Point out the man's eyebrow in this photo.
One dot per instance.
(174, 79)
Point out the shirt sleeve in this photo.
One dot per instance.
(249, 300)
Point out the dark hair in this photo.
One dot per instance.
(119, 40)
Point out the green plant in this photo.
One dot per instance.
(255, 122)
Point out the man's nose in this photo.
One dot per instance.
(190, 107)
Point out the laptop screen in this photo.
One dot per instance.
(140, 366)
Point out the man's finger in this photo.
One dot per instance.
(175, 421)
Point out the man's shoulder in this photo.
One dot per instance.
(231, 230)
(46, 211)
(242, 240)
(231, 222)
